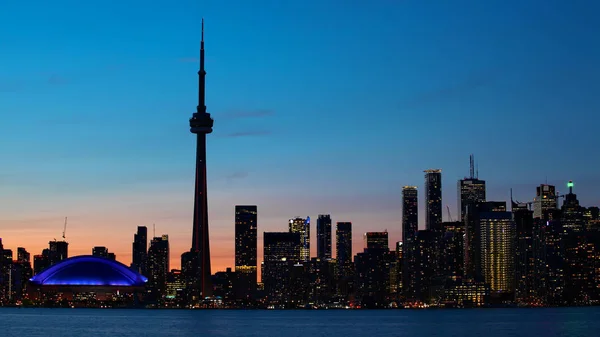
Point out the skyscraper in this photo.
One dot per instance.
(324, 236)
(140, 250)
(59, 250)
(410, 227)
(158, 264)
(497, 250)
(545, 199)
(245, 246)
(280, 252)
(23, 255)
(201, 124)
(376, 240)
(433, 199)
(470, 190)
(302, 227)
(343, 249)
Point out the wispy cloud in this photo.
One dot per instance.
(442, 94)
(247, 134)
(56, 79)
(188, 60)
(9, 86)
(236, 175)
(248, 114)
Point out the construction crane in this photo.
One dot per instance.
(65, 229)
(449, 215)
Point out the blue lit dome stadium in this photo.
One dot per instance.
(86, 270)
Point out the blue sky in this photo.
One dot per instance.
(319, 107)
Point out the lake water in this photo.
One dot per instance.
(572, 322)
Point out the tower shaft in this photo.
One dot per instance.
(201, 124)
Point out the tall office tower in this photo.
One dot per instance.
(572, 213)
(433, 199)
(23, 255)
(246, 219)
(549, 252)
(302, 227)
(497, 247)
(140, 251)
(545, 199)
(158, 264)
(410, 227)
(324, 236)
(59, 250)
(376, 240)
(100, 251)
(280, 252)
(470, 190)
(343, 249)
(201, 124)
(524, 255)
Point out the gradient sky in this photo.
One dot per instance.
(319, 107)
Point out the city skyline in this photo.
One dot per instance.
(109, 178)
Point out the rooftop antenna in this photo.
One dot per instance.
(476, 171)
(471, 167)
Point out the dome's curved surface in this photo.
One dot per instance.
(89, 270)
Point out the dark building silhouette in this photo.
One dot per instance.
(452, 253)
(324, 236)
(410, 227)
(23, 255)
(281, 251)
(524, 254)
(245, 249)
(372, 276)
(59, 250)
(376, 240)
(343, 251)
(433, 199)
(302, 227)
(201, 124)
(158, 266)
(41, 261)
(140, 250)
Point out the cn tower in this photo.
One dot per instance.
(201, 124)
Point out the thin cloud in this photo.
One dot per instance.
(470, 83)
(9, 86)
(55, 79)
(247, 134)
(237, 175)
(249, 114)
(188, 60)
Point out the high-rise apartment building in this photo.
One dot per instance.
(302, 227)
(433, 199)
(497, 248)
(280, 253)
(324, 236)
(410, 228)
(59, 250)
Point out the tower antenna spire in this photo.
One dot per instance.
(201, 77)
(471, 166)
